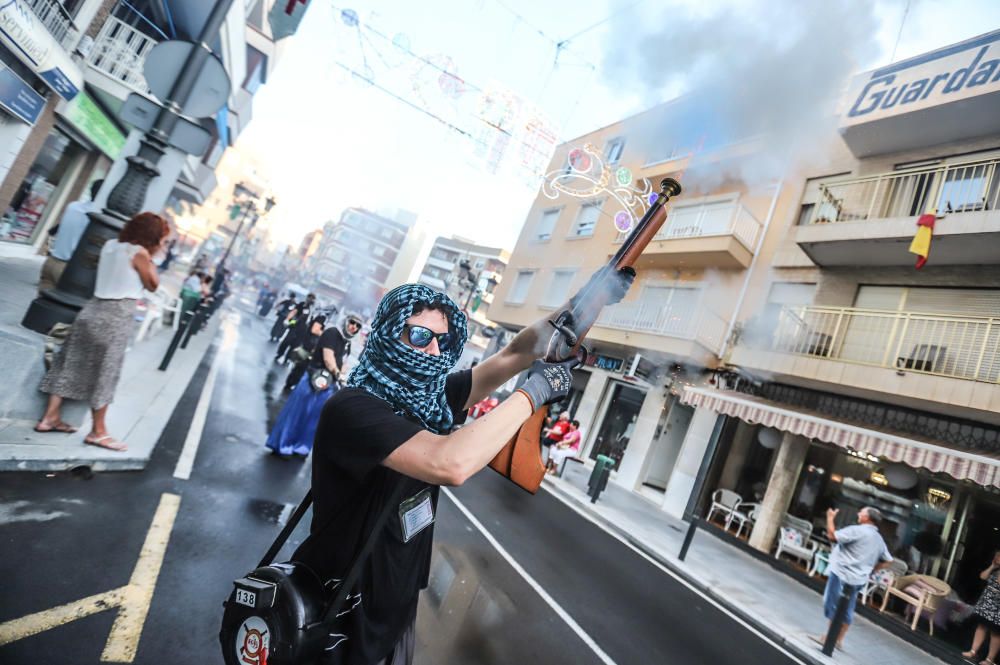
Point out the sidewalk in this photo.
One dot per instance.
(143, 403)
(781, 608)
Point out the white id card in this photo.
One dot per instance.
(415, 514)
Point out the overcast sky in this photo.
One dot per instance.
(332, 139)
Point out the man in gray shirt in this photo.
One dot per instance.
(858, 550)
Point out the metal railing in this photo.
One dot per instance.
(56, 20)
(952, 188)
(961, 347)
(707, 220)
(692, 322)
(120, 51)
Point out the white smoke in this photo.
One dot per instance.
(770, 70)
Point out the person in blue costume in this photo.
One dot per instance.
(295, 428)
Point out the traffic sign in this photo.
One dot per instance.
(163, 66)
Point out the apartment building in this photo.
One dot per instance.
(469, 274)
(358, 256)
(856, 378)
(55, 145)
(670, 330)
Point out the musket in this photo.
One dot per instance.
(521, 459)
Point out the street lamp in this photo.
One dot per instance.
(249, 208)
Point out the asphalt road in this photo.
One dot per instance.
(70, 537)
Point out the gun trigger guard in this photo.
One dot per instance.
(568, 333)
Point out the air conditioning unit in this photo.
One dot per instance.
(639, 367)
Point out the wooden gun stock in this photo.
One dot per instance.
(521, 459)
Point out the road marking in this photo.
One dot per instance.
(132, 600)
(722, 608)
(549, 600)
(186, 460)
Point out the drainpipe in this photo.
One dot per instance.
(753, 264)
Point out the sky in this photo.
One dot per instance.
(377, 104)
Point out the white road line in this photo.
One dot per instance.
(556, 607)
(722, 608)
(186, 460)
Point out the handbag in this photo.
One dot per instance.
(282, 614)
(320, 379)
(301, 354)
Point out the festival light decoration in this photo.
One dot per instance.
(587, 176)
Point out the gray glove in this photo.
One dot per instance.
(617, 284)
(548, 383)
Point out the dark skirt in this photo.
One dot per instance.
(295, 428)
(90, 362)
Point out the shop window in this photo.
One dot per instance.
(55, 161)
(618, 425)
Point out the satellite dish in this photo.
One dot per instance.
(769, 438)
(163, 67)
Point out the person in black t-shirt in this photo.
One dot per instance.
(295, 322)
(332, 341)
(280, 314)
(386, 440)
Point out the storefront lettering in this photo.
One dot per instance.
(880, 93)
(18, 26)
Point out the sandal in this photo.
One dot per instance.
(106, 441)
(60, 426)
(986, 661)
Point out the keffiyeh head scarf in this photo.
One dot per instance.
(411, 381)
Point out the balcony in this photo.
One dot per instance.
(717, 234)
(118, 53)
(685, 331)
(870, 221)
(917, 357)
(56, 20)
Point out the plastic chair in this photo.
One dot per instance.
(794, 539)
(726, 502)
(744, 519)
(881, 579)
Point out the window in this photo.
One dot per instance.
(522, 282)
(386, 232)
(256, 70)
(546, 224)
(378, 250)
(480, 263)
(586, 220)
(613, 151)
(558, 289)
(964, 189)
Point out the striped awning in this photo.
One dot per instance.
(980, 468)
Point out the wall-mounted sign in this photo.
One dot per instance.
(84, 114)
(609, 363)
(23, 33)
(17, 97)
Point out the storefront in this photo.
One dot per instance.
(78, 150)
(941, 501)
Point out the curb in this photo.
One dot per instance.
(796, 649)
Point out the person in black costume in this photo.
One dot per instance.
(387, 440)
(295, 327)
(281, 313)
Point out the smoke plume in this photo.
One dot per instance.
(767, 70)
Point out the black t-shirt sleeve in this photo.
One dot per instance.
(457, 390)
(333, 340)
(357, 431)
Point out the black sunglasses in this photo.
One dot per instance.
(420, 337)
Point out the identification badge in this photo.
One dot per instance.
(415, 514)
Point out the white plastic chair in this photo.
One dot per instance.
(156, 304)
(794, 540)
(726, 502)
(745, 517)
(880, 580)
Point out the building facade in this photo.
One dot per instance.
(469, 274)
(855, 377)
(56, 144)
(356, 258)
(670, 330)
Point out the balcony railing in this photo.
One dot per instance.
(709, 219)
(693, 322)
(56, 20)
(961, 347)
(120, 51)
(960, 187)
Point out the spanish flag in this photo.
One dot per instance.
(921, 245)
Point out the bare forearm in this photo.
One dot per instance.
(474, 445)
(831, 530)
(985, 575)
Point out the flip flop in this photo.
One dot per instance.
(61, 427)
(107, 441)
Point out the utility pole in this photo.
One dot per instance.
(76, 286)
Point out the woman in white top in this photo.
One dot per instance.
(90, 362)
